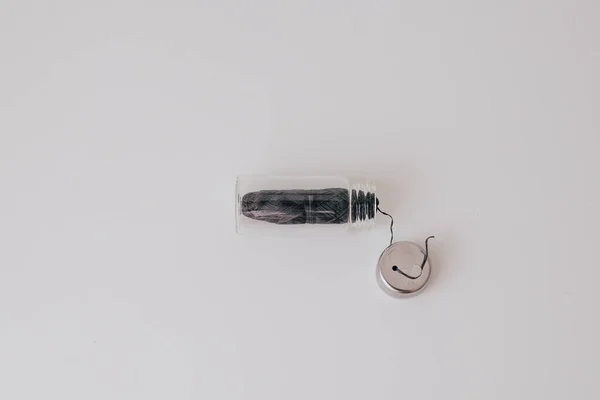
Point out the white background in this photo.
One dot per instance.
(124, 123)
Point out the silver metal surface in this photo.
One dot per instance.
(406, 257)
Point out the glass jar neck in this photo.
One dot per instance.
(363, 206)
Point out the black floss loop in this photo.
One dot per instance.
(395, 267)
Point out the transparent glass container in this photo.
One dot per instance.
(287, 203)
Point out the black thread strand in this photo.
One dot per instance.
(426, 251)
(422, 266)
(425, 258)
(391, 224)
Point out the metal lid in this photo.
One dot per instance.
(403, 269)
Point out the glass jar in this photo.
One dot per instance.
(298, 202)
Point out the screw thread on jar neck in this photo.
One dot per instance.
(363, 206)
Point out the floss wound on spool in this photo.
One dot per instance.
(403, 267)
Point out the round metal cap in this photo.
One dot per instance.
(399, 271)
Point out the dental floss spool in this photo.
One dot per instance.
(403, 268)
